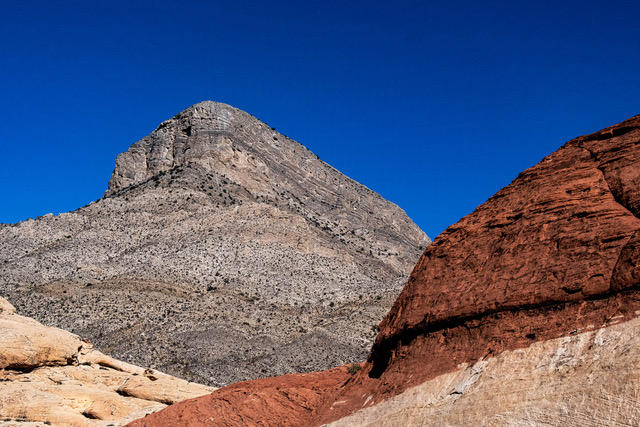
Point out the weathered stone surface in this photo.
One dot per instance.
(501, 321)
(25, 344)
(222, 251)
(587, 379)
(555, 237)
(48, 375)
(288, 400)
(6, 308)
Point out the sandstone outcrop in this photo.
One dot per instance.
(50, 376)
(585, 379)
(288, 400)
(523, 312)
(551, 253)
(222, 251)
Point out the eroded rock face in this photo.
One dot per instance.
(558, 242)
(523, 292)
(27, 344)
(222, 251)
(588, 379)
(51, 376)
(288, 400)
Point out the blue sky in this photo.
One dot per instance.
(435, 105)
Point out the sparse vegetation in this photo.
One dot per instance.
(168, 273)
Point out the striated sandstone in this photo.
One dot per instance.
(507, 319)
(559, 240)
(588, 379)
(26, 344)
(48, 375)
(222, 251)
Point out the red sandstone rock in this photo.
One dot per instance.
(554, 252)
(288, 400)
(546, 255)
(554, 235)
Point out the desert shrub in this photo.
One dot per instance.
(353, 368)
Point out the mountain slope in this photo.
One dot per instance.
(525, 311)
(221, 251)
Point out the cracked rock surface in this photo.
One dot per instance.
(222, 251)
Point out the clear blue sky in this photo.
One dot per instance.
(435, 105)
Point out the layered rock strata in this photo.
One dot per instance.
(588, 379)
(50, 376)
(553, 252)
(222, 251)
(524, 291)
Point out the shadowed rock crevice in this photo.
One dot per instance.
(384, 352)
(614, 185)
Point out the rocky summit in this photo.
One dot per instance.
(221, 251)
(525, 312)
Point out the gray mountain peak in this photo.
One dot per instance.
(221, 251)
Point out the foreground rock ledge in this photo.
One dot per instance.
(525, 290)
(50, 376)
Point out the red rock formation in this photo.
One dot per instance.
(288, 400)
(563, 233)
(554, 252)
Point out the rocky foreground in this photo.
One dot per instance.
(525, 312)
(222, 251)
(52, 377)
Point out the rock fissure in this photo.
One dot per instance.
(614, 192)
(23, 368)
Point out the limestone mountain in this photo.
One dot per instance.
(221, 251)
(525, 312)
